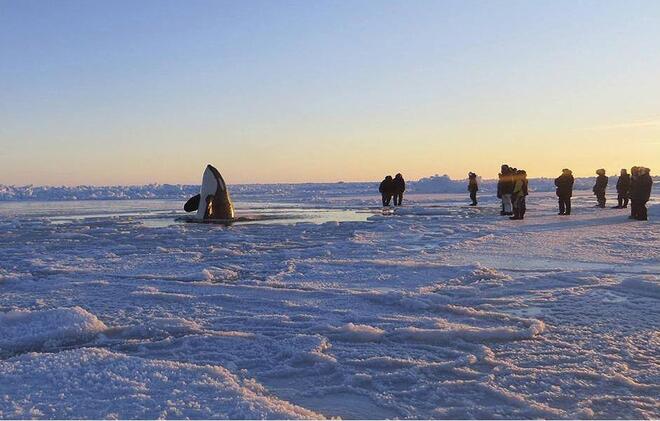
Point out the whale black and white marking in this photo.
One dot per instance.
(213, 201)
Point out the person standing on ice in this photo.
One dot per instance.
(520, 191)
(564, 185)
(642, 193)
(399, 188)
(599, 187)
(473, 188)
(634, 185)
(505, 189)
(386, 190)
(499, 192)
(623, 189)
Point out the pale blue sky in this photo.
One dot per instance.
(124, 92)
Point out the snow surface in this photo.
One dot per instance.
(327, 308)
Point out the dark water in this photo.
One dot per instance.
(159, 213)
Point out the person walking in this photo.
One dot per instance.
(520, 191)
(564, 185)
(399, 188)
(622, 190)
(599, 187)
(643, 193)
(386, 190)
(473, 188)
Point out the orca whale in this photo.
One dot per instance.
(213, 201)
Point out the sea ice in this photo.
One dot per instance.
(113, 309)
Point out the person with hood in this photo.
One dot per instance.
(623, 189)
(599, 187)
(386, 189)
(643, 193)
(520, 191)
(473, 188)
(505, 189)
(399, 188)
(564, 185)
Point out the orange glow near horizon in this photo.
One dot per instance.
(352, 158)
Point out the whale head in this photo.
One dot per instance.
(213, 201)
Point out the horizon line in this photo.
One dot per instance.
(276, 183)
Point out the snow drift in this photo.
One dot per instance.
(112, 385)
(29, 330)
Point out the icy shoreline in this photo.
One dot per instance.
(434, 184)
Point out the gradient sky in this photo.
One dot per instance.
(131, 92)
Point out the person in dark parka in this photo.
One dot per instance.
(634, 185)
(499, 191)
(623, 189)
(505, 189)
(564, 185)
(473, 188)
(643, 193)
(599, 187)
(386, 189)
(399, 188)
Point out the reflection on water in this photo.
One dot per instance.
(163, 213)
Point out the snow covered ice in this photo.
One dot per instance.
(321, 306)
